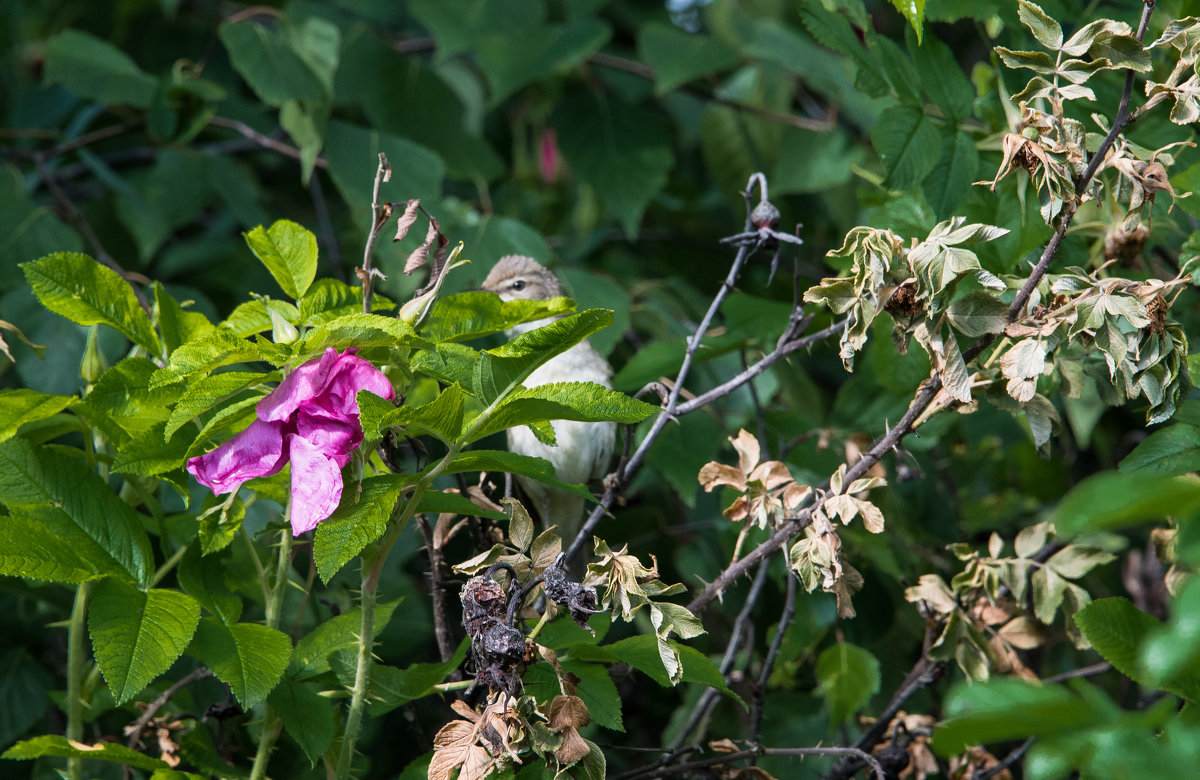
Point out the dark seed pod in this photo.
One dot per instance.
(764, 215)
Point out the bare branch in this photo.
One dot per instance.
(379, 217)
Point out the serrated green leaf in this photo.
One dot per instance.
(442, 417)
(624, 152)
(642, 653)
(362, 330)
(269, 64)
(583, 401)
(448, 363)
(306, 716)
(1170, 451)
(512, 463)
(206, 392)
(220, 348)
(202, 576)
(849, 677)
(677, 56)
(137, 635)
(978, 313)
(327, 299)
(61, 747)
(599, 693)
(943, 80)
(148, 454)
(76, 508)
(360, 519)
(1047, 31)
(908, 145)
(498, 371)
(20, 405)
(176, 324)
(834, 32)
(471, 315)
(949, 182)
(1117, 629)
(248, 657)
(311, 656)
(289, 251)
(95, 69)
(914, 12)
(122, 403)
(77, 287)
(29, 549)
(437, 502)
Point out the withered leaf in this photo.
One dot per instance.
(407, 219)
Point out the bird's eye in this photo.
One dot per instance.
(519, 284)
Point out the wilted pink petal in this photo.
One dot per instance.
(316, 485)
(255, 452)
(336, 437)
(351, 375)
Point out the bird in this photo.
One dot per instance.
(583, 449)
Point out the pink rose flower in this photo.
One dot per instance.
(310, 420)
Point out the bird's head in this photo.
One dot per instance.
(520, 277)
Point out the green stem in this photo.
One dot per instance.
(272, 725)
(76, 656)
(168, 564)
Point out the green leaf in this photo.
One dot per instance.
(137, 635)
(202, 576)
(460, 25)
(220, 348)
(248, 657)
(914, 12)
(121, 403)
(148, 454)
(268, 63)
(390, 687)
(448, 363)
(978, 313)
(289, 251)
(437, 502)
(1076, 560)
(95, 69)
(908, 145)
(442, 417)
(943, 80)
(1006, 709)
(306, 716)
(206, 392)
(79, 288)
(546, 49)
(24, 689)
(362, 330)
(73, 506)
(947, 186)
(834, 31)
(583, 401)
(311, 656)
(849, 677)
(19, 406)
(327, 299)
(1112, 500)
(353, 155)
(512, 463)
(498, 371)
(176, 324)
(1117, 629)
(677, 56)
(642, 653)
(1047, 31)
(360, 519)
(471, 315)
(599, 693)
(624, 152)
(61, 747)
(1170, 451)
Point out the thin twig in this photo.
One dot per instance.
(441, 622)
(378, 220)
(764, 674)
(1085, 671)
(139, 725)
(1008, 761)
(265, 141)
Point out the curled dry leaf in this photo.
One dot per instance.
(407, 219)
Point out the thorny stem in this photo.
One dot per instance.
(76, 655)
(139, 725)
(271, 723)
(378, 220)
(441, 626)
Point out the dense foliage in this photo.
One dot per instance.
(899, 298)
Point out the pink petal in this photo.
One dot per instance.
(336, 437)
(316, 485)
(255, 452)
(352, 374)
(299, 387)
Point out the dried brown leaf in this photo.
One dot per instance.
(407, 219)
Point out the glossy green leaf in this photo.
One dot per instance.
(248, 657)
(437, 502)
(85, 292)
(1170, 451)
(96, 70)
(442, 417)
(449, 363)
(73, 506)
(834, 31)
(362, 330)
(328, 299)
(677, 56)
(177, 324)
(914, 12)
(137, 635)
(61, 747)
(360, 519)
(510, 462)
(311, 656)
(289, 251)
(471, 315)
(1112, 500)
(849, 677)
(220, 348)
